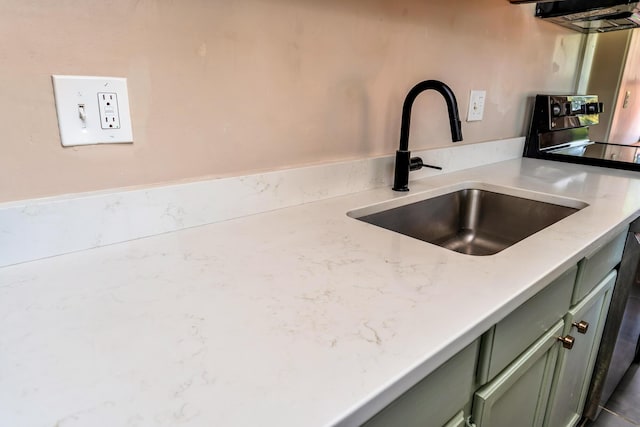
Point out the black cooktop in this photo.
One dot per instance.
(602, 151)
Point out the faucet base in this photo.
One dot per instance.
(401, 174)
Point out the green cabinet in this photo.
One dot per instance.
(457, 421)
(531, 369)
(510, 337)
(547, 384)
(518, 395)
(585, 321)
(436, 399)
(595, 266)
(544, 383)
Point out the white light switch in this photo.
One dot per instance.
(476, 105)
(92, 110)
(627, 97)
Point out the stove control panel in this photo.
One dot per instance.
(566, 112)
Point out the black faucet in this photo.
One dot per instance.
(404, 161)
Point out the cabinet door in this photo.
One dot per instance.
(518, 396)
(575, 366)
(510, 337)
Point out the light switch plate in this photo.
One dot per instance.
(81, 110)
(627, 97)
(476, 105)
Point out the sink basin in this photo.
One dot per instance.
(471, 221)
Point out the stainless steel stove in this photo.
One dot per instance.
(560, 131)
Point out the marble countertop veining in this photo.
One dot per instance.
(296, 317)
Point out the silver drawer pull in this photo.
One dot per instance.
(582, 326)
(567, 342)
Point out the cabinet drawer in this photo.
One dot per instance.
(456, 421)
(436, 398)
(515, 333)
(519, 395)
(594, 267)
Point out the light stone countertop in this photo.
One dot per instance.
(296, 317)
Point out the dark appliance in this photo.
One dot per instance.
(619, 345)
(591, 16)
(560, 131)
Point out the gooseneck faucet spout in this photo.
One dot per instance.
(404, 162)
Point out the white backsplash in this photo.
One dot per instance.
(40, 228)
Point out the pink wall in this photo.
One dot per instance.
(229, 87)
(625, 127)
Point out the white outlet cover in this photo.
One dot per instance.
(476, 105)
(77, 96)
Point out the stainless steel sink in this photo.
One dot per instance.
(470, 221)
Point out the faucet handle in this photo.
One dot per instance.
(404, 164)
(416, 164)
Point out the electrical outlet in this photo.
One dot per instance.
(108, 106)
(476, 105)
(92, 110)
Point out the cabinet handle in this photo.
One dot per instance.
(582, 326)
(567, 342)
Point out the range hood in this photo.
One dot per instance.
(591, 16)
